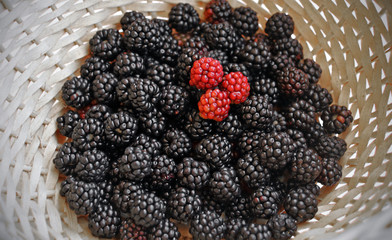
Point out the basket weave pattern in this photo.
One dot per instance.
(43, 43)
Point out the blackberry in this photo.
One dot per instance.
(331, 147)
(165, 230)
(82, 197)
(280, 62)
(67, 122)
(88, 134)
(193, 174)
(100, 112)
(120, 128)
(217, 11)
(148, 144)
(124, 194)
(122, 92)
(130, 231)
(129, 17)
(106, 43)
(94, 66)
(265, 85)
(237, 67)
(185, 62)
(314, 134)
(290, 47)
(142, 36)
(163, 26)
(105, 190)
(209, 203)
(104, 221)
(245, 21)
(254, 231)
(135, 164)
(301, 115)
(276, 150)
(250, 140)
(231, 127)
(331, 172)
(183, 204)
(282, 226)
(129, 64)
(197, 42)
(336, 119)
(311, 68)
(312, 186)
(215, 150)
(174, 100)
(279, 123)
(239, 208)
(264, 202)
(147, 209)
(318, 97)
(207, 225)
(301, 204)
(233, 227)
(163, 173)
(306, 166)
(92, 166)
(176, 143)
(153, 123)
(256, 54)
(221, 36)
(279, 25)
(183, 17)
(76, 92)
(224, 185)
(257, 112)
(196, 126)
(280, 188)
(219, 55)
(66, 185)
(161, 74)
(143, 94)
(169, 51)
(251, 171)
(298, 138)
(293, 82)
(104, 88)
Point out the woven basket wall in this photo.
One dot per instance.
(43, 43)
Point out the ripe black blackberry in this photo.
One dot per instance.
(254, 231)
(66, 185)
(301, 115)
(231, 127)
(209, 203)
(124, 194)
(104, 221)
(183, 204)
(147, 209)
(176, 143)
(169, 51)
(185, 62)
(333, 146)
(279, 25)
(293, 82)
(135, 164)
(239, 208)
(100, 112)
(129, 64)
(94, 66)
(76, 92)
(214, 149)
(161, 74)
(163, 173)
(264, 202)
(129, 17)
(221, 36)
(331, 172)
(165, 230)
(217, 11)
(282, 226)
(143, 94)
(279, 123)
(280, 187)
(312, 186)
(233, 227)
(153, 123)
(336, 119)
(298, 137)
(290, 47)
(311, 68)
(106, 43)
(256, 54)
(88, 134)
(150, 145)
(130, 231)
(314, 134)
(238, 67)
(318, 97)
(264, 85)
(193, 174)
(66, 158)
(245, 21)
(224, 185)
(121, 128)
(301, 204)
(104, 88)
(183, 17)
(250, 140)
(280, 62)
(276, 150)
(197, 41)
(219, 55)
(306, 166)
(92, 166)
(163, 27)
(142, 36)
(67, 122)
(256, 112)
(105, 190)
(174, 100)
(197, 127)
(82, 197)
(251, 171)
(207, 225)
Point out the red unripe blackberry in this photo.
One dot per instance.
(206, 73)
(236, 84)
(214, 104)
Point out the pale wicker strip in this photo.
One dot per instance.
(43, 43)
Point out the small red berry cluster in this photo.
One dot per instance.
(221, 91)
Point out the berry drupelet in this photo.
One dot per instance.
(183, 17)
(76, 92)
(279, 25)
(249, 141)
(256, 54)
(106, 43)
(311, 68)
(244, 20)
(233, 227)
(264, 85)
(124, 194)
(150, 145)
(214, 149)
(239, 208)
(67, 122)
(214, 104)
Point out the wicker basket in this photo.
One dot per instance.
(43, 43)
